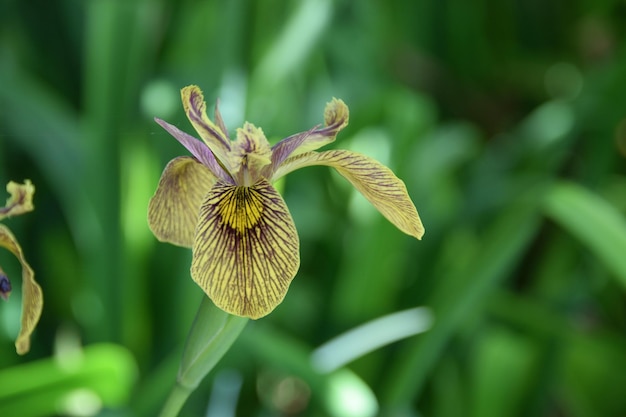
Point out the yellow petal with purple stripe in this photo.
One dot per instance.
(212, 134)
(246, 250)
(374, 180)
(336, 115)
(173, 210)
(32, 296)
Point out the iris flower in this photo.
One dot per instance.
(21, 201)
(221, 203)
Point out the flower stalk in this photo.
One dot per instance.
(211, 335)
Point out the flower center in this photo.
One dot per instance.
(241, 208)
(251, 152)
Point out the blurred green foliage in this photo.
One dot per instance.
(506, 119)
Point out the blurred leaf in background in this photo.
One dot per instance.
(505, 119)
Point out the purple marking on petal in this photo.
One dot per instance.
(198, 149)
(5, 287)
(197, 105)
(285, 147)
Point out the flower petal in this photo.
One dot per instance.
(32, 296)
(198, 149)
(20, 201)
(250, 154)
(246, 250)
(336, 116)
(173, 210)
(212, 134)
(375, 181)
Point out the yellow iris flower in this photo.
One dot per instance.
(222, 204)
(21, 201)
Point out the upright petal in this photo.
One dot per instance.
(173, 210)
(32, 297)
(336, 116)
(20, 201)
(198, 149)
(212, 134)
(246, 250)
(375, 181)
(250, 154)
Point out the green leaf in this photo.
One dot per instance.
(591, 219)
(463, 293)
(101, 375)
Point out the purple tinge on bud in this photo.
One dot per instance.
(5, 286)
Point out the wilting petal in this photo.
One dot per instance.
(246, 251)
(375, 181)
(212, 134)
(173, 210)
(20, 201)
(32, 297)
(336, 116)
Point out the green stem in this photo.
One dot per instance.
(175, 401)
(211, 335)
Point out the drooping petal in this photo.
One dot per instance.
(336, 117)
(32, 296)
(374, 180)
(173, 209)
(246, 250)
(212, 134)
(198, 149)
(20, 200)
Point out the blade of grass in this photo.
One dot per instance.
(499, 252)
(299, 36)
(38, 388)
(116, 40)
(591, 219)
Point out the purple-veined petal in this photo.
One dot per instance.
(198, 149)
(246, 250)
(174, 207)
(32, 296)
(283, 149)
(375, 181)
(211, 134)
(336, 117)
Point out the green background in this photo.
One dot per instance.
(506, 120)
